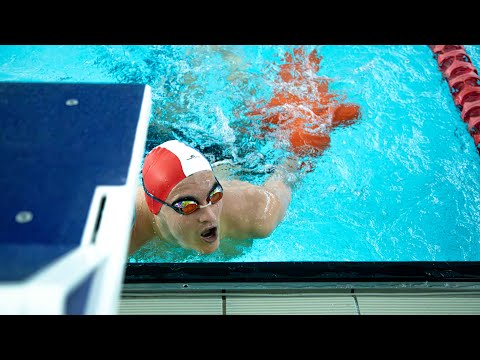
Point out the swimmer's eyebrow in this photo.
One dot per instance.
(193, 198)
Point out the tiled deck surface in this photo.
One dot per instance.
(447, 299)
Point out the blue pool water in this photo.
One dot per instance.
(401, 184)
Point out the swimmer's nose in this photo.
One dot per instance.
(207, 213)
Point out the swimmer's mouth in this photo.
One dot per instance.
(209, 235)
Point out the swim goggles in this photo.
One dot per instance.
(187, 206)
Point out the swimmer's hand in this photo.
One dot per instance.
(292, 170)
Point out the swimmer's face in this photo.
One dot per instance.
(199, 230)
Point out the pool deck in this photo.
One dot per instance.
(454, 298)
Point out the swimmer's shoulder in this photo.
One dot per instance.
(236, 185)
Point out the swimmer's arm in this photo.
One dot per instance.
(277, 199)
(290, 172)
(253, 211)
(277, 191)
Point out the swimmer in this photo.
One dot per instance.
(181, 201)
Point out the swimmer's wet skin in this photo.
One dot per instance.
(181, 201)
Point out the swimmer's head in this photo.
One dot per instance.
(165, 166)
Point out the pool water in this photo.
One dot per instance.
(401, 184)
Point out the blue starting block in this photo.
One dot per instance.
(71, 155)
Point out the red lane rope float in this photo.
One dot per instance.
(467, 94)
(464, 83)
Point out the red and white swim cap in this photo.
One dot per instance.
(165, 166)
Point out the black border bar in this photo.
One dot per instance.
(245, 272)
